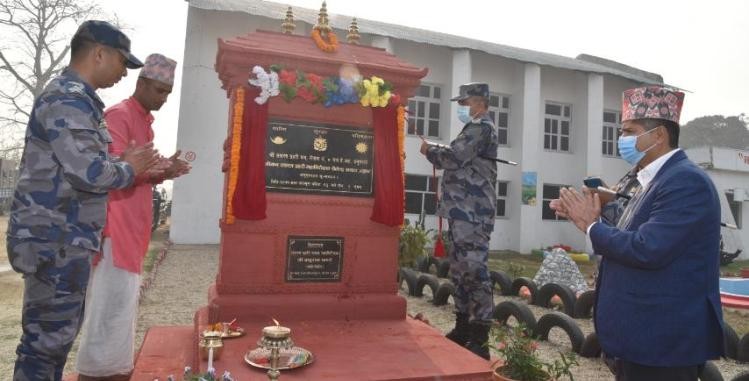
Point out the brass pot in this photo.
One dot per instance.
(210, 341)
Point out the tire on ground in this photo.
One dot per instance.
(710, 372)
(568, 324)
(444, 268)
(590, 347)
(518, 283)
(409, 276)
(433, 261)
(742, 350)
(502, 280)
(422, 264)
(518, 310)
(730, 341)
(446, 290)
(426, 280)
(584, 305)
(565, 293)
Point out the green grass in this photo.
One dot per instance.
(150, 260)
(734, 267)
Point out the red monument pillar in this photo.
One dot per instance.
(313, 203)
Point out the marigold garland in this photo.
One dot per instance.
(236, 145)
(330, 46)
(401, 116)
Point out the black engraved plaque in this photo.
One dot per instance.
(314, 259)
(319, 159)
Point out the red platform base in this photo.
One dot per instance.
(355, 350)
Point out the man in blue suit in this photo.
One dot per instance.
(658, 314)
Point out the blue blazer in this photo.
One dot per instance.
(658, 302)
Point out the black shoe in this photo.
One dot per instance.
(478, 340)
(461, 333)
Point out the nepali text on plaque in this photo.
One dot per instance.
(319, 159)
(314, 259)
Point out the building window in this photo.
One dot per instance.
(551, 191)
(612, 123)
(557, 127)
(424, 111)
(735, 208)
(421, 194)
(502, 198)
(499, 111)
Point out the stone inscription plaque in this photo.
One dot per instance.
(318, 159)
(314, 259)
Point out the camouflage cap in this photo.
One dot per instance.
(159, 68)
(473, 89)
(102, 32)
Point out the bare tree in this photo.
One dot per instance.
(36, 36)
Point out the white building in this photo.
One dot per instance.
(8, 178)
(729, 170)
(556, 115)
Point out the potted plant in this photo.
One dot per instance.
(519, 361)
(413, 243)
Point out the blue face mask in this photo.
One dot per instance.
(464, 113)
(628, 148)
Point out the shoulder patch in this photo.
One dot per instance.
(75, 88)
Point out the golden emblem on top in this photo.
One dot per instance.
(320, 144)
(278, 140)
(362, 147)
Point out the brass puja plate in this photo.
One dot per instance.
(229, 334)
(291, 358)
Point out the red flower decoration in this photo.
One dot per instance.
(315, 80)
(287, 77)
(306, 94)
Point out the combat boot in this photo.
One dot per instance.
(479, 336)
(461, 333)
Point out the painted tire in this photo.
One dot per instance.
(518, 283)
(710, 372)
(446, 290)
(742, 349)
(516, 309)
(590, 347)
(565, 293)
(502, 280)
(444, 268)
(584, 305)
(568, 324)
(730, 341)
(409, 276)
(426, 280)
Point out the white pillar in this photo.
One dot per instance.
(594, 129)
(462, 72)
(530, 215)
(594, 133)
(383, 42)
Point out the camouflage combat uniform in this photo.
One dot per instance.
(58, 212)
(469, 203)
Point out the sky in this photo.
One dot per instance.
(700, 46)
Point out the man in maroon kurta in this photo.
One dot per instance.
(111, 309)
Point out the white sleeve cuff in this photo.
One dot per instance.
(590, 227)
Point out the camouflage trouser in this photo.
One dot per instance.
(53, 302)
(468, 269)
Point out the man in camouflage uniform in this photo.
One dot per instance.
(469, 204)
(59, 205)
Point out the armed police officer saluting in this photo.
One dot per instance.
(468, 202)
